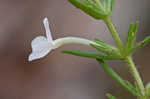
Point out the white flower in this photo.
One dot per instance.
(41, 45)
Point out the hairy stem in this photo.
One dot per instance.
(136, 75)
(128, 59)
(113, 31)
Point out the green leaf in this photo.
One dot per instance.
(89, 54)
(89, 7)
(92, 4)
(130, 40)
(112, 4)
(108, 50)
(94, 8)
(101, 43)
(144, 42)
(105, 3)
(116, 77)
(109, 5)
(110, 96)
(140, 44)
(131, 86)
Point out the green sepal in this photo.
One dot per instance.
(106, 51)
(131, 37)
(110, 96)
(89, 8)
(106, 48)
(90, 54)
(101, 43)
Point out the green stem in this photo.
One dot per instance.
(128, 59)
(113, 31)
(136, 75)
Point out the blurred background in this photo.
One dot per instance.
(61, 76)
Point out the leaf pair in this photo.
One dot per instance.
(125, 84)
(94, 8)
(100, 58)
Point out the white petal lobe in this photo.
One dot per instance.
(40, 48)
(38, 42)
(47, 29)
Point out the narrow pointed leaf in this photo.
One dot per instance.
(89, 8)
(109, 5)
(110, 96)
(129, 33)
(106, 50)
(144, 42)
(101, 43)
(131, 86)
(89, 54)
(105, 4)
(99, 4)
(140, 45)
(92, 4)
(130, 40)
(136, 27)
(112, 4)
(115, 76)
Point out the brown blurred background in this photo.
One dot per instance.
(61, 76)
